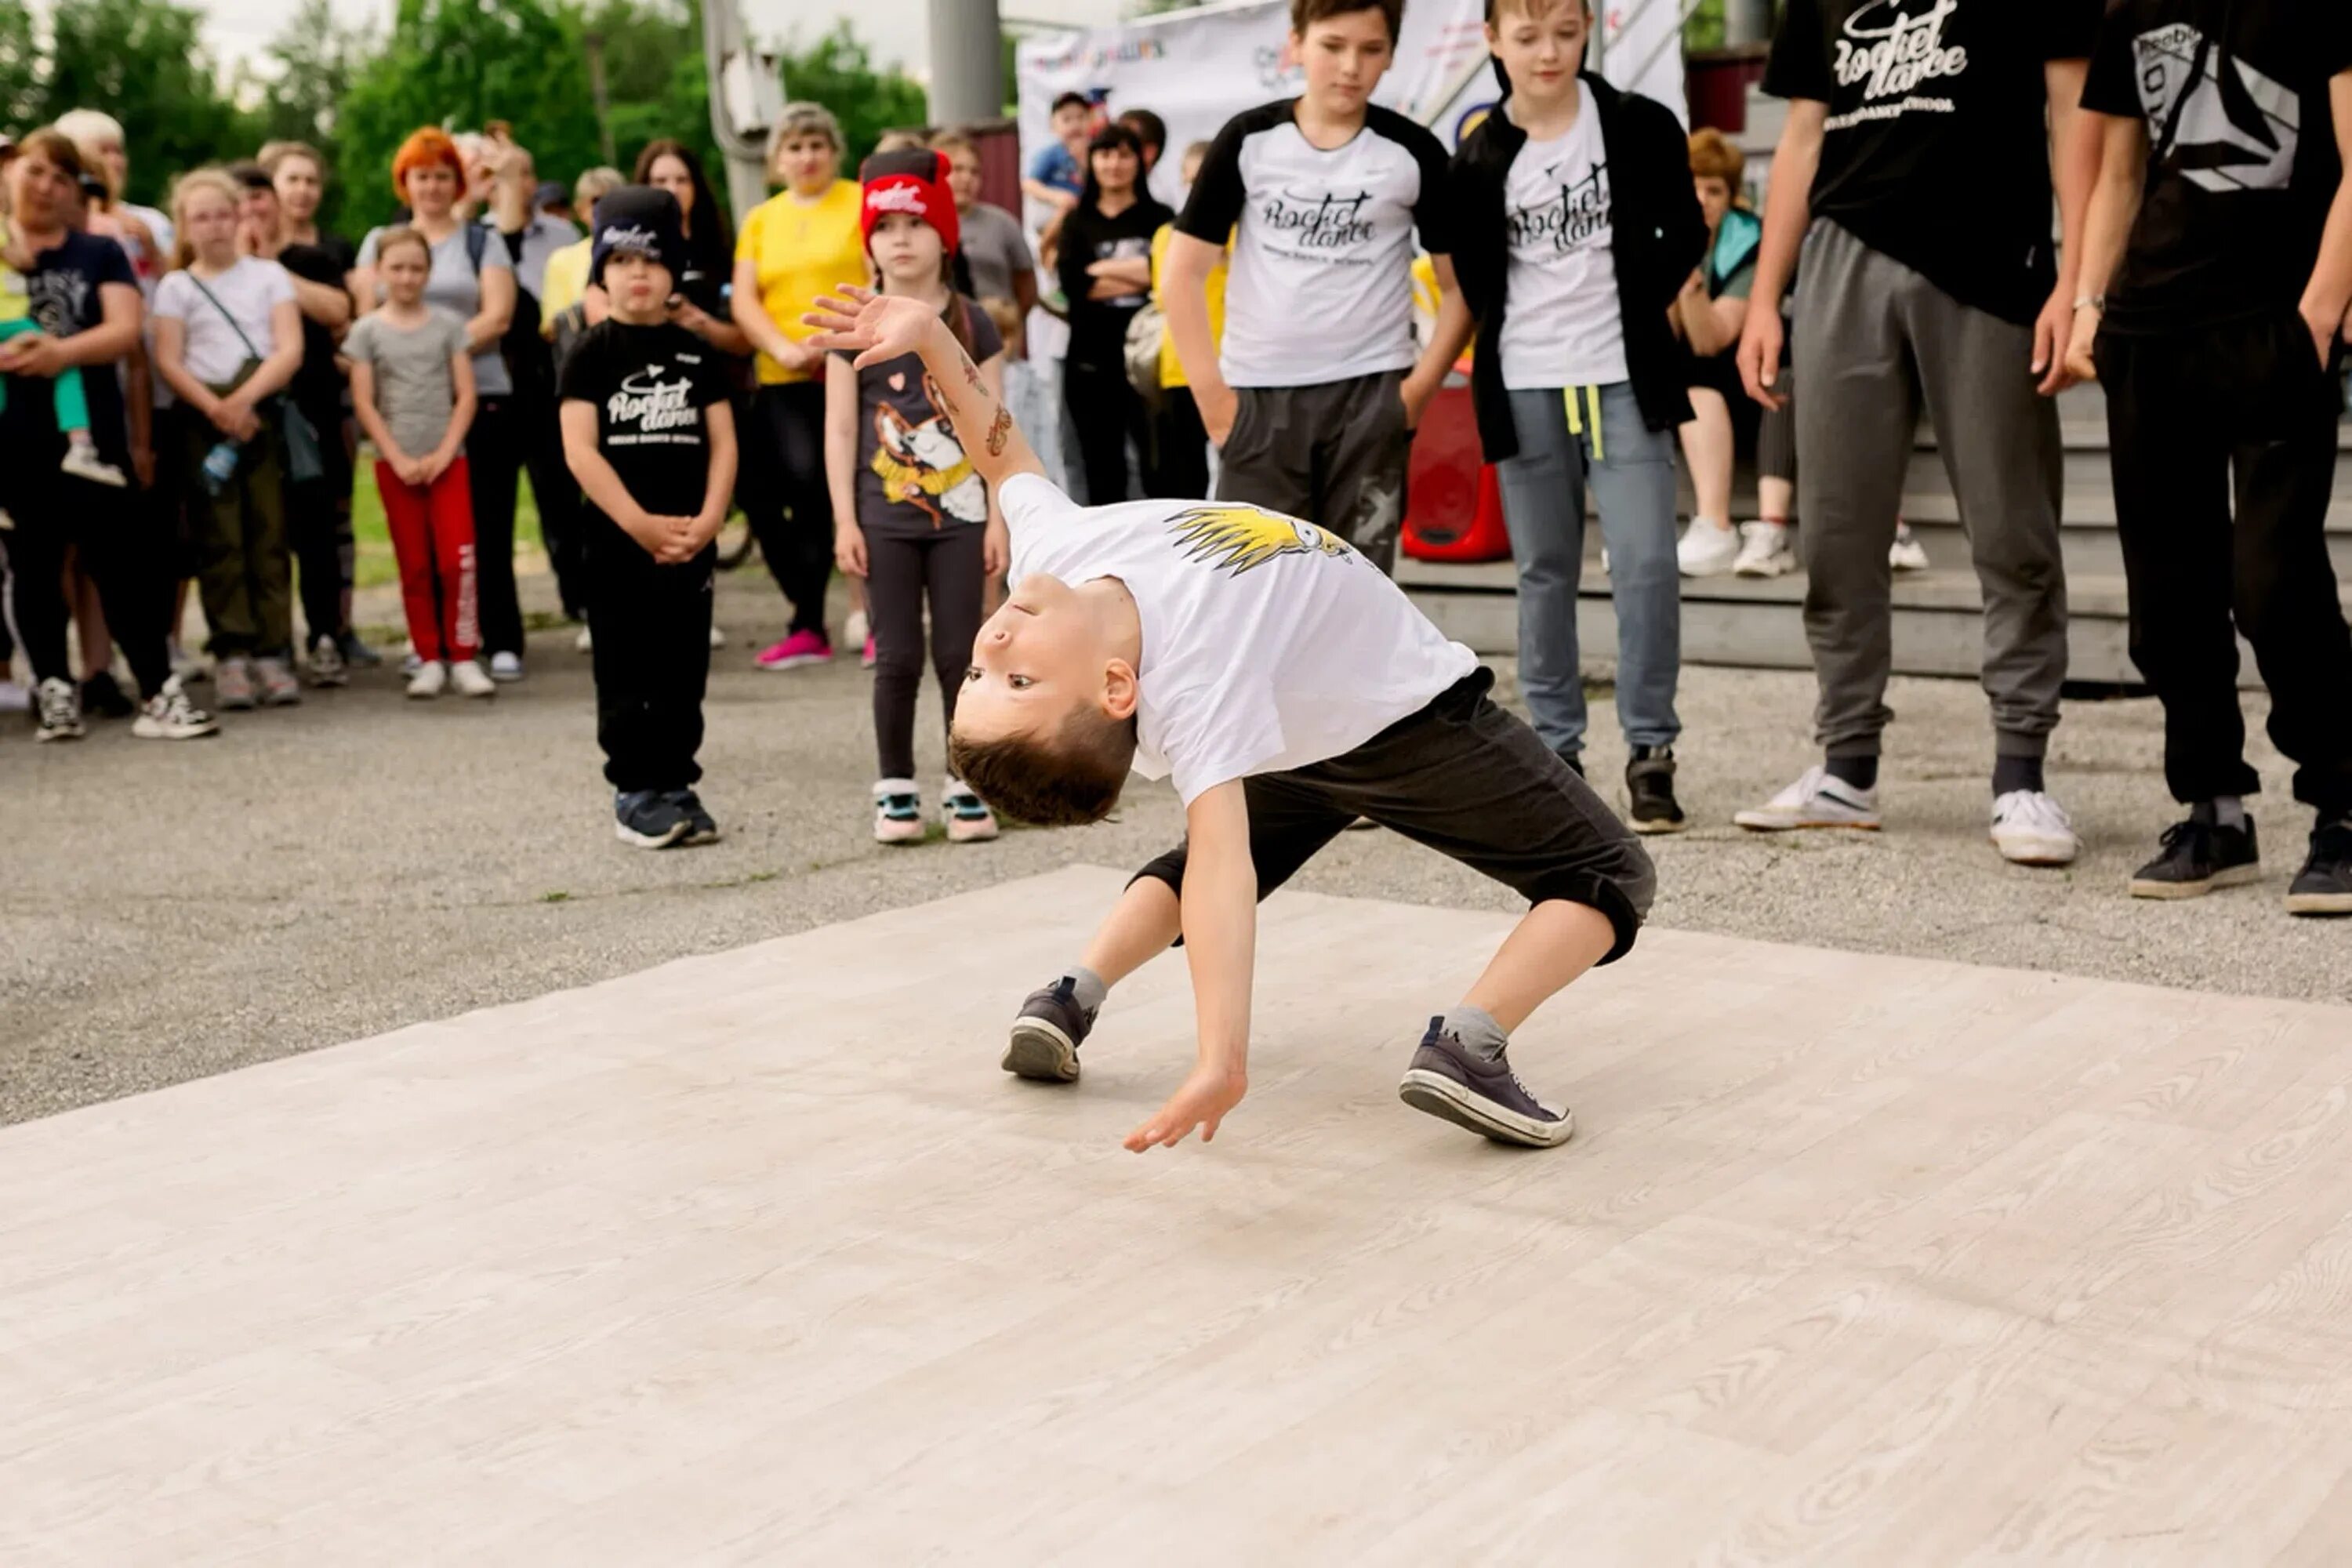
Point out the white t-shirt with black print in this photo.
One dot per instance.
(1268, 644)
(1320, 285)
(1564, 327)
(237, 313)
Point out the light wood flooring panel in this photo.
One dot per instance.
(756, 1257)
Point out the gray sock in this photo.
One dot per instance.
(1087, 988)
(1476, 1029)
(2229, 810)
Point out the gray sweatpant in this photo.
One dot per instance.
(1333, 454)
(1875, 343)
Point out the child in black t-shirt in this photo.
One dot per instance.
(648, 432)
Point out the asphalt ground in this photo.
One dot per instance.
(362, 862)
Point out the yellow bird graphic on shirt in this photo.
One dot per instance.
(1238, 538)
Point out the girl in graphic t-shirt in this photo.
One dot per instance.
(228, 339)
(413, 389)
(912, 518)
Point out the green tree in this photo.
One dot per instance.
(313, 63)
(838, 71)
(20, 67)
(460, 63)
(653, 78)
(144, 62)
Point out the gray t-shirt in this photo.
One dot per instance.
(995, 249)
(413, 387)
(452, 285)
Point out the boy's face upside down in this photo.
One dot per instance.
(1051, 650)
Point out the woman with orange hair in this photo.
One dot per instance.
(472, 278)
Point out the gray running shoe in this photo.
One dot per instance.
(278, 686)
(1486, 1097)
(232, 685)
(1047, 1034)
(649, 820)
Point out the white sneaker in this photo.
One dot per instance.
(717, 637)
(967, 816)
(1708, 548)
(1815, 800)
(1906, 553)
(82, 461)
(506, 667)
(429, 679)
(2029, 828)
(583, 643)
(897, 812)
(170, 716)
(1764, 551)
(468, 677)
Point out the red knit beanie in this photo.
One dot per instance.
(914, 181)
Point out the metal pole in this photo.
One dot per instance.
(967, 62)
(597, 94)
(744, 96)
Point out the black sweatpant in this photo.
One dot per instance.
(944, 569)
(790, 508)
(2188, 415)
(557, 495)
(652, 656)
(318, 530)
(1474, 783)
(1178, 468)
(1107, 415)
(124, 546)
(1335, 454)
(494, 454)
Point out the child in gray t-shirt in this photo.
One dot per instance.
(413, 389)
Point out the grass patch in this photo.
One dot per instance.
(555, 897)
(376, 565)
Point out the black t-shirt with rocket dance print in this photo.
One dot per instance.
(649, 386)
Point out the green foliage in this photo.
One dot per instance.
(144, 62)
(838, 71)
(20, 65)
(1704, 28)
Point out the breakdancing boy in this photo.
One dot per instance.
(1287, 687)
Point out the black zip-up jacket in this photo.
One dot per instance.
(1658, 236)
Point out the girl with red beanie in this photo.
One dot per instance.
(912, 518)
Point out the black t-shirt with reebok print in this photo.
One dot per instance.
(2243, 164)
(650, 385)
(1936, 147)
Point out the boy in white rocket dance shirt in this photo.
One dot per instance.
(1287, 687)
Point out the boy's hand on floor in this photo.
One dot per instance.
(1206, 1095)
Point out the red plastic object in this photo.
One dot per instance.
(1455, 508)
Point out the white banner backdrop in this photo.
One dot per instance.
(1196, 69)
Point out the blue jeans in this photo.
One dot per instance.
(1631, 469)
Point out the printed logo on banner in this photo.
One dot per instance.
(1890, 48)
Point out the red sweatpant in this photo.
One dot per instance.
(432, 528)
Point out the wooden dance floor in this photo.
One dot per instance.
(757, 1259)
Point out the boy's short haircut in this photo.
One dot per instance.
(1713, 156)
(1071, 100)
(401, 234)
(1068, 781)
(952, 143)
(1149, 128)
(273, 153)
(1305, 14)
(1494, 8)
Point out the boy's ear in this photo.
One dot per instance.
(1120, 690)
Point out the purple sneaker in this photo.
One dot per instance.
(1485, 1096)
(1047, 1033)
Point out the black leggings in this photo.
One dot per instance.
(1107, 415)
(319, 527)
(945, 566)
(123, 545)
(494, 451)
(790, 508)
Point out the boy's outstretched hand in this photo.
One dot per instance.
(1202, 1102)
(875, 327)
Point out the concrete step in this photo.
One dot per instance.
(1756, 624)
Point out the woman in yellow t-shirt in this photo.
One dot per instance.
(792, 248)
(1180, 444)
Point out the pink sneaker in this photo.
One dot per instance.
(866, 658)
(799, 649)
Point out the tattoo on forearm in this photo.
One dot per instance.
(999, 431)
(971, 376)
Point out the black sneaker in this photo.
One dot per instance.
(701, 827)
(1485, 1096)
(2324, 885)
(649, 820)
(357, 654)
(1650, 789)
(2199, 856)
(102, 698)
(1047, 1034)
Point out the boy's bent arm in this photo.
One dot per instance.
(1219, 900)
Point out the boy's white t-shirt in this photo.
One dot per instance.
(246, 293)
(1565, 326)
(1267, 643)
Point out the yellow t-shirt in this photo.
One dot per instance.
(802, 249)
(1171, 368)
(566, 281)
(15, 296)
